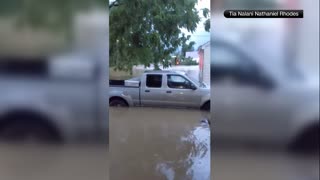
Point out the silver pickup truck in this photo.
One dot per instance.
(56, 98)
(161, 89)
(260, 99)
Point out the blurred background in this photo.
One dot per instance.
(265, 91)
(53, 69)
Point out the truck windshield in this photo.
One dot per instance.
(198, 83)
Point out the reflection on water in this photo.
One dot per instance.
(197, 163)
(200, 154)
(149, 143)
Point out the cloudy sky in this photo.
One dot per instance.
(200, 36)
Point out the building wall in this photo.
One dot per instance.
(206, 65)
(201, 54)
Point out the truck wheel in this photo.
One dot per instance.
(206, 106)
(118, 103)
(307, 141)
(28, 132)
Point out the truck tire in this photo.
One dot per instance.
(206, 106)
(19, 131)
(307, 141)
(117, 102)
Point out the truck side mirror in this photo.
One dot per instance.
(266, 83)
(193, 87)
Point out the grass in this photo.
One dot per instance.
(119, 75)
(122, 75)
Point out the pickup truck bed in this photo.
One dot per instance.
(116, 82)
(130, 95)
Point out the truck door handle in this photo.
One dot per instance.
(147, 91)
(169, 91)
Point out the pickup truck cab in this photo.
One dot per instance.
(161, 89)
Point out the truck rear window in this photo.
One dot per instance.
(154, 80)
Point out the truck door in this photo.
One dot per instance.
(180, 92)
(151, 91)
(246, 104)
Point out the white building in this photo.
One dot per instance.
(194, 55)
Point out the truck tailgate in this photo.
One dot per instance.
(130, 94)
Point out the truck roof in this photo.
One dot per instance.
(162, 71)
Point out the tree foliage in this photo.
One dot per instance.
(206, 14)
(53, 15)
(187, 47)
(141, 31)
(181, 54)
(148, 32)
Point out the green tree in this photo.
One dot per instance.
(206, 14)
(49, 15)
(187, 47)
(149, 32)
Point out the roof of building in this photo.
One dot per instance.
(203, 46)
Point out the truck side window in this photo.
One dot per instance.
(178, 82)
(154, 80)
(225, 63)
(228, 63)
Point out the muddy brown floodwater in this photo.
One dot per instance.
(152, 143)
(244, 164)
(31, 162)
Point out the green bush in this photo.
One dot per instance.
(188, 62)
